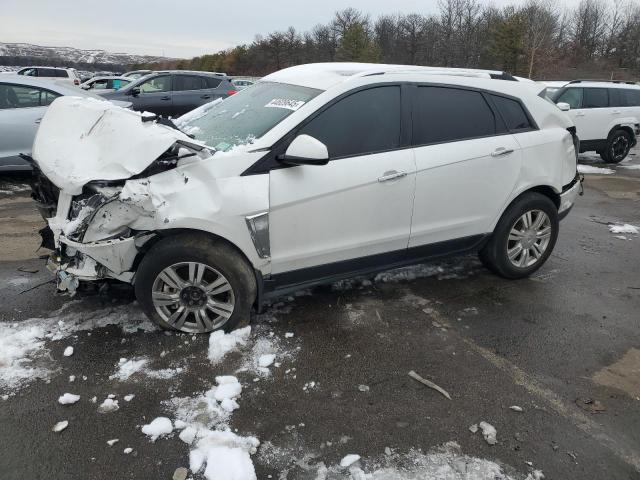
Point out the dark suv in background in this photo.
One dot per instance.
(173, 93)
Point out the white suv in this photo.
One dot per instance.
(606, 114)
(69, 75)
(315, 173)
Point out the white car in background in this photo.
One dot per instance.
(69, 75)
(100, 85)
(23, 102)
(241, 83)
(315, 173)
(606, 115)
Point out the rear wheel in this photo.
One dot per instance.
(524, 237)
(196, 284)
(618, 146)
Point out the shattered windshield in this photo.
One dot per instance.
(245, 116)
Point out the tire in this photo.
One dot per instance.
(195, 283)
(618, 146)
(495, 254)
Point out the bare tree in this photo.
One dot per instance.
(540, 24)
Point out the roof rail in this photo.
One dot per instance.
(627, 82)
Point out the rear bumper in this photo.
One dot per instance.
(569, 195)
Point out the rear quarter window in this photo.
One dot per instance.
(512, 113)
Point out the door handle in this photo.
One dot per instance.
(498, 152)
(38, 120)
(390, 175)
(166, 97)
(579, 114)
(615, 112)
(205, 96)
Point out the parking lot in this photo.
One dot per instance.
(563, 345)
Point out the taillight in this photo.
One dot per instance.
(232, 92)
(76, 82)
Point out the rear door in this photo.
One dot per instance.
(189, 92)
(597, 114)
(155, 96)
(356, 206)
(467, 166)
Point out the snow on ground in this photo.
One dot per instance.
(595, 170)
(221, 343)
(68, 399)
(624, 228)
(139, 367)
(11, 187)
(23, 353)
(446, 462)
(631, 167)
(157, 428)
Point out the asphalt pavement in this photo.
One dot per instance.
(563, 345)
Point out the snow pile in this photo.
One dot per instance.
(489, 433)
(624, 228)
(68, 399)
(224, 456)
(68, 351)
(262, 355)
(595, 170)
(23, 355)
(108, 405)
(221, 343)
(157, 428)
(349, 460)
(631, 167)
(58, 427)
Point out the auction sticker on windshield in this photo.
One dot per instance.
(285, 103)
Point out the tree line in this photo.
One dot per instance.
(538, 39)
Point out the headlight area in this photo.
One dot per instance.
(97, 241)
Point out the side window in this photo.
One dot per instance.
(213, 82)
(29, 72)
(100, 85)
(595, 98)
(442, 114)
(188, 82)
(617, 98)
(632, 97)
(17, 96)
(61, 73)
(365, 122)
(157, 84)
(512, 113)
(47, 72)
(46, 97)
(572, 96)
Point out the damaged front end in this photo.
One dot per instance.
(98, 228)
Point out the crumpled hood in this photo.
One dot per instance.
(83, 139)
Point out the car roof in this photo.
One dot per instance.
(192, 72)
(43, 66)
(110, 77)
(602, 84)
(323, 76)
(62, 87)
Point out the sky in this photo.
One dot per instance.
(179, 28)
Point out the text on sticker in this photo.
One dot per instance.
(285, 103)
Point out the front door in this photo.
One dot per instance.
(155, 96)
(337, 216)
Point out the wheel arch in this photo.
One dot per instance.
(171, 232)
(625, 127)
(546, 190)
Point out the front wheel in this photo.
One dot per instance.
(618, 146)
(195, 284)
(524, 237)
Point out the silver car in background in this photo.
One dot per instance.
(105, 84)
(23, 101)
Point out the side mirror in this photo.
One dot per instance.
(305, 150)
(565, 107)
(85, 87)
(135, 91)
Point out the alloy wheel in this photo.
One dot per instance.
(619, 147)
(529, 238)
(193, 297)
